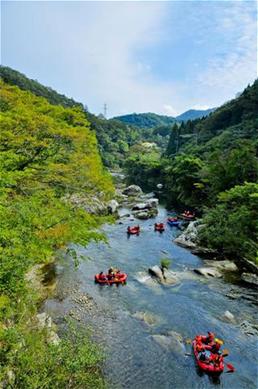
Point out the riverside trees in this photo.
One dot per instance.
(47, 153)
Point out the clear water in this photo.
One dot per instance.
(133, 358)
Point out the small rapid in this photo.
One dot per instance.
(129, 321)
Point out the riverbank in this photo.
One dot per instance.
(189, 239)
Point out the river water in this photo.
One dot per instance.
(134, 358)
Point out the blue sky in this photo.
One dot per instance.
(137, 56)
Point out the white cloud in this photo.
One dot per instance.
(233, 70)
(91, 51)
(201, 107)
(96, 45)
(169, 110)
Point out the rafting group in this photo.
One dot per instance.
(113, 276)
(208, 354)
(172, 221)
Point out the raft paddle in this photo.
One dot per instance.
(225, 353)
(230, 367)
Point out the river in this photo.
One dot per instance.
(134, 359)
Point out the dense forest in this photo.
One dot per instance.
(114, 137)
(48, 154)
(210, 165)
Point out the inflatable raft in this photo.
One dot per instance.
(214, 365)
(133, 230)
(159, 227)
(117, 279)
(172, 221)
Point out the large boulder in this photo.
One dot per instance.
(250, 266)
(140, 207)
(152, 203)
(249, 278)
(204, 252)
(225, 265)
(156, 272)
(145, 213)
(208, 272)
(149, 204)
(169, 277)
(132, 190)
(166, 277)
(142, 215)
(112, 207)
(189, 237)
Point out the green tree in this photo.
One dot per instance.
(231, 226)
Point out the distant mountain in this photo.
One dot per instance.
(145, 120)
(193, 114)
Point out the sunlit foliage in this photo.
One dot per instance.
(46, 154)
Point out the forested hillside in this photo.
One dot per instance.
(14, 77)
(48, 153)
(146, 120)
(193, 114)
(114, 137)
(210, 165)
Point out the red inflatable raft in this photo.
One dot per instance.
(210, 365)
(117, 279)
(188, 216)
(159, 227)
(133, 230)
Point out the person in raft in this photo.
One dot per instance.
(111, 274)
(102, 276)
(203, 355)
(208, 339)
(216, 359)
(215, 346)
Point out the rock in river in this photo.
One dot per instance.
(189, 236)
(132, 190)
(145, 214)
(250, 278)
(142, 215)
(249, 328)
(228, 317)
(208, 272)
(172, 341)
(147, 317)
(156, 272)
(225, 265)
(167, 277)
